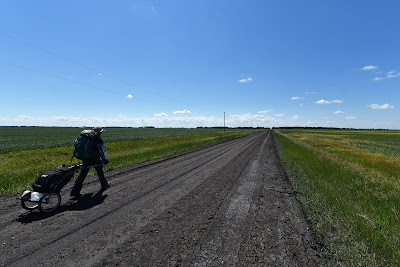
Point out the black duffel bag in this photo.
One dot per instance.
(54, 180)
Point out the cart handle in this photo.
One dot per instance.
(81, 167)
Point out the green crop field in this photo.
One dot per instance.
(28, 152)
(27, 138)
(348, 182)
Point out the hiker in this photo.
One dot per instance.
(99, 159)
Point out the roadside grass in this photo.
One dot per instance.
(351, 197)
(19, 169)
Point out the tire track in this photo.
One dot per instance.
(216, 249)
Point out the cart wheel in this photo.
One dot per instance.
(49, 202)
(29, 205)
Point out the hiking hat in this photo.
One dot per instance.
(98, 129)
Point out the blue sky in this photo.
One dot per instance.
(185, 63)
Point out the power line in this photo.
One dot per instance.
(59, 77)
(78, 82)
(84, 66)
(77, 63)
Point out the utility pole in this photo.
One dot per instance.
(224, 121)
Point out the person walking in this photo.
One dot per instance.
(97, 161)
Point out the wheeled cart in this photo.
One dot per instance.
(45, 195)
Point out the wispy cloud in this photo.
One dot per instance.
(311, 93)
(350, 118)
(162, 114)
(389, 74)
(377, 106)
(129, 96)
(322, 101)
(246, 80)
(265, 111)
(296, 117)
(182, 112)
(248, 118)
(280, 115)
(392, 74)
(296, 97)
(338, 112)
(369, 67)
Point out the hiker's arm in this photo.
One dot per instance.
(102, 152)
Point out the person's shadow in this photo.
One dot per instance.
(85, 202)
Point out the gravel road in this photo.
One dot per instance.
(229, 204)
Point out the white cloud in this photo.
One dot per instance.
(129, 96)
(369, 67)
(265, 111)
(245, 116)
(311, 122)
(389, 74)
(322, 101)
(162, 114)
(182, 112)
(119, 120)
(296, 97)
(248, 119)
(382, 75)
(338, 112)
(60, 119)
(311, 93)
(25, 117)
(280, 115)
(384, 106)
(351, 118)
(246, 80)
(296, 117)
(392, 74)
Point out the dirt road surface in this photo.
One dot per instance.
(229, 204)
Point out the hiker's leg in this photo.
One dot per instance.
(76, 189)
(100, 174)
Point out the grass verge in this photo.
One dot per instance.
(354, 212)
(19, 169)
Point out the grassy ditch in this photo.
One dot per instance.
(18, 169)
(350, 195)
